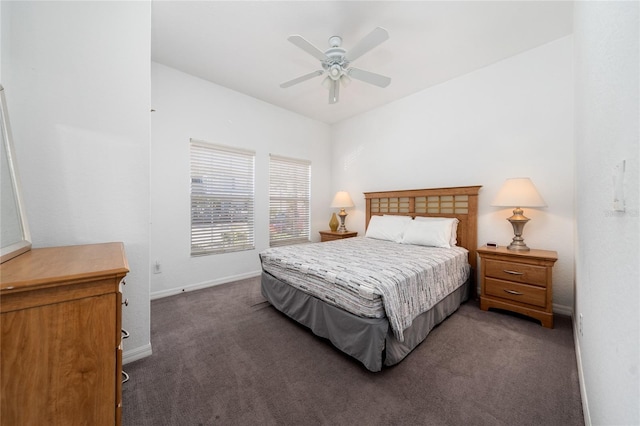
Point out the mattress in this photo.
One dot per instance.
(371, 278)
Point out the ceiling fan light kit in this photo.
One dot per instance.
(336, 62)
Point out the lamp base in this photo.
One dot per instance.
(518, 246)
(342, 215)
(518, 220)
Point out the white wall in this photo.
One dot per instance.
(607, 256)
(510, 119)
(76, 76)
(188, 107)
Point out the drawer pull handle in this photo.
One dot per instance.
(517, 293)
(125, 377)
(513, 272)
(126, 302)
(125, 334)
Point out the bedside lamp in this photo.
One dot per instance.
(518, 192)
(341, 201)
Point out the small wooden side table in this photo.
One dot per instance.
(335, 235)
(518, 281)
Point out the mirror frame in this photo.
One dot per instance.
(13, 248)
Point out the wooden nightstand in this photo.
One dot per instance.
(335, 235)
(518, 281)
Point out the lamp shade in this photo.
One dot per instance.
(342, 200)
(518, 192)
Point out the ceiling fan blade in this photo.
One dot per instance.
(307, 47)
(369, 77)
(334, 92)
(301, 79)
(371, 40)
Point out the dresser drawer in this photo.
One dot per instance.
(520, 272)
(523, 293)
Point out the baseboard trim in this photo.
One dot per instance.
(563, 310)
(136, 353)
(204, 284)
(583, 389)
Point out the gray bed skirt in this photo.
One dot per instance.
(369, 340)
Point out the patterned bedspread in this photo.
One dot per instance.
(371, 278)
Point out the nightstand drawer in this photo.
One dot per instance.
(520, 272)
(531, 295)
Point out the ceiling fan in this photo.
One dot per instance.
(336, 62)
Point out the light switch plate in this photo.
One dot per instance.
(618, 187)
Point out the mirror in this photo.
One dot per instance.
(14, 232)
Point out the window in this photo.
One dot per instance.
(289, 196)
(222, 199)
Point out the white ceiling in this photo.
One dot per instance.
(243, 45)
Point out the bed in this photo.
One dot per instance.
(376, 299)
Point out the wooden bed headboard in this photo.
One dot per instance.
(460, 202)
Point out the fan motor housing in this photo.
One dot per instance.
(335, 64)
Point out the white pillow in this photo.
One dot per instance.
(453, 241)
(390, 228)
(428, 233)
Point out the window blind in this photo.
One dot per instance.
(222, 199)
(289, 200)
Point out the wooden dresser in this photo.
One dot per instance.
(336, 235)
(518, 281)
(60, 321)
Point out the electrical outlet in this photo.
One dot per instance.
(580, 325)
(157, 269)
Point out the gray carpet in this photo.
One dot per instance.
(223, 356)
